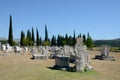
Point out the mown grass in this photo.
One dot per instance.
(36, 72)
(31, 71)
(21, 67)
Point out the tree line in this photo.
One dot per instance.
(59, 40)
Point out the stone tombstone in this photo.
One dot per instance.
(8, 47)
(0, 45)
(79, 41)
(33, 50)
(66, 50)
(39, 56)
(81, 56)
(80, 59)
(17, 49)
(26, 49)
(62, 61)
(3, 47)
(58, 51)
(45, 52)
(105, 49)
(36, 53)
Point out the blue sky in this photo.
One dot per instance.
(101, 18)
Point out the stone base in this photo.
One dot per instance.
(88, 68)
(61, 62)
(38, 56)
(110, 58)
(72, 59)
(52, 56)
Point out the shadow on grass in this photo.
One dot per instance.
(68, 69)
(32, 58)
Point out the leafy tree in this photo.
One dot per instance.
(33, 38)
(3, 41)
(46, 43)
(10, 37)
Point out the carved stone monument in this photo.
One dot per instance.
(61, 61)
(81, 56)
(105, 49)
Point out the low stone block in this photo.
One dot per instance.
(62, 61)
(38, 56)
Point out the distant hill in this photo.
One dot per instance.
(112, 43)
(1, 39)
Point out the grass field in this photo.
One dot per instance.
(21, 67)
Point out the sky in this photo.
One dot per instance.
(101, 18)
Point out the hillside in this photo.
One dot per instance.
(112, 43)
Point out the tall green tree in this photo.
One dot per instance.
(37, 38)
(46, 33)
(58, 40)
(70, 39)
(29, 35)
(84, 39)
(67, 41)
(46, 41)
(40, 40)
(29, 39)
(89, 42)
(62, 40)
(33, 38)
(80, 35)
(22, 38)
(10, 37)
(74, 40)
(53, 41)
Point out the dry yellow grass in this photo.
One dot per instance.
(21, 67)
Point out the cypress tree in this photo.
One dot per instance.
(29, 39)
(84, 38)
(29, 35)
(66, 38)
(33, 38)
(46, 33)
(74, 40)
(22, 37)
(37, 38)
(53, 41)
(89, 42)
(80, 35)
(58, 40)
(10, 37)
(62, 41)
(70, 40)
(40, 41)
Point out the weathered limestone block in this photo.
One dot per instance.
(38, 56)
(62, 61)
